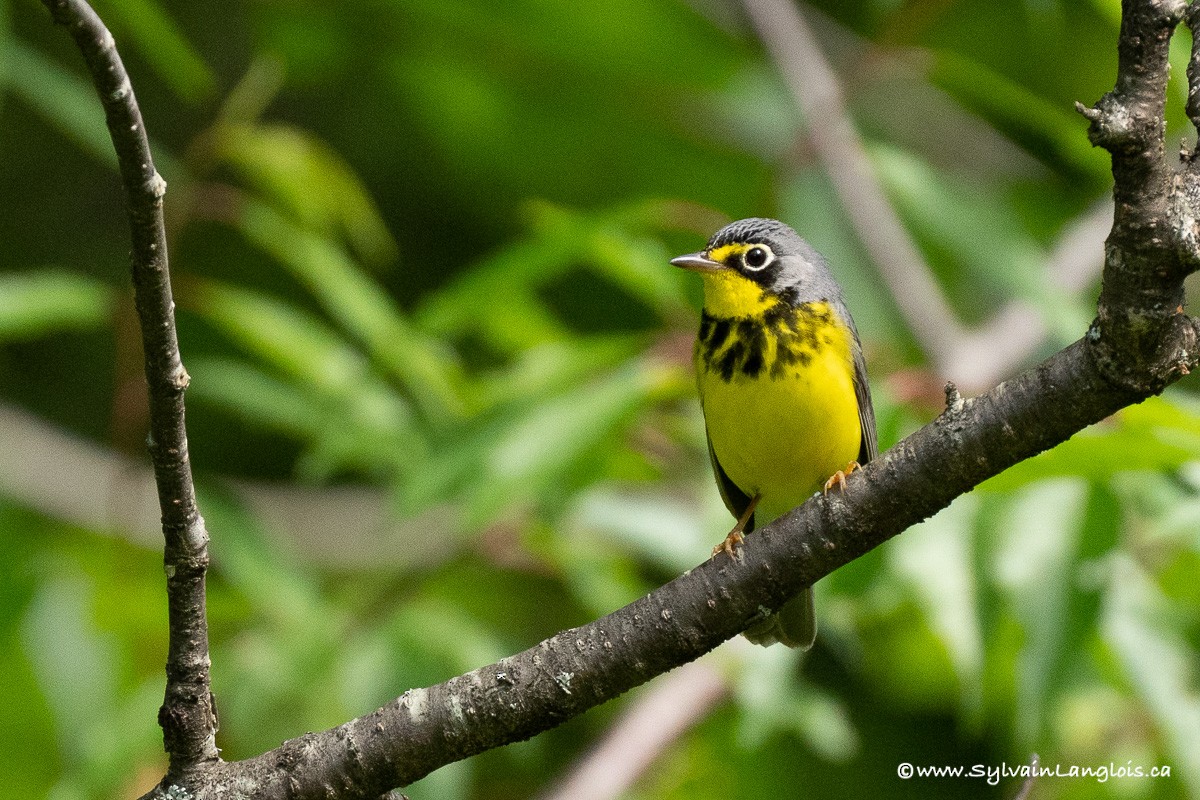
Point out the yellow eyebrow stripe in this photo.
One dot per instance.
(726, 251)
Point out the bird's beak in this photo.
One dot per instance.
(697, 262)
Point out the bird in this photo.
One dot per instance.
(783, 386)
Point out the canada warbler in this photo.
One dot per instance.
(783, 386)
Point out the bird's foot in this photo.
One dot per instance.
(736, 536)
(838, 478)
(731, 542)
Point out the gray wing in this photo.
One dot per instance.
(866, 412)
(735, 499)
(862, 392)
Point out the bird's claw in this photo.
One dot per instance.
(838, 478)
(731, 542)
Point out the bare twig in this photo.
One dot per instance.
(1027, 784)
(187, 716)
(97, 488)
(974, 358)
(657, 719)
(797, 54)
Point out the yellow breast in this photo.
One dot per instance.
(778, 396)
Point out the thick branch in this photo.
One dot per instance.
(1146, 254)
(575, 670)
(187, 716)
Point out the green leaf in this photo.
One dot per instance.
(290, 339)
(1037, 569)
(160, 42)
(425, 367)
(292, 638)
(63, 99)
(246, 101)
(33, 304)
(936, 559)
(262, 569)
(654, 524)
(260, 399)
(536, 459)
(1156, 435)
(981, 237)
(500, 400)
(366, 421)
(1047, 131)
(775, 701)
(756, 112)
(76, 663)
(1160, 664)
(609, 244)
(560, 240)
(297, 171)
(545, 370)
(468, 304)
(566, 35)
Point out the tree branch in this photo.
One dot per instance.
(1152, 245)
(187, 715)
(649, 726)
(1027, 784)
(567, 674)
(1140, 342)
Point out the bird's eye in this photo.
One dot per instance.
(757, 257)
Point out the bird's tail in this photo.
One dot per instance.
(794, 624)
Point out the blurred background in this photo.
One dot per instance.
(442, 407)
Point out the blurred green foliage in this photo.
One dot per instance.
(420, 247)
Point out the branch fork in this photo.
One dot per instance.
(1141, 339)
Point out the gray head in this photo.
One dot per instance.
(770, 254)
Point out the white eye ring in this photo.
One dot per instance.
(757, 258)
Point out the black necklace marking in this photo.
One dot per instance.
(738, 347)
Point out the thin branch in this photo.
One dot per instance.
(1027, 785)
(975, 358)
(187, 716)
(656, 720)
(815, 88)
(102, 490)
